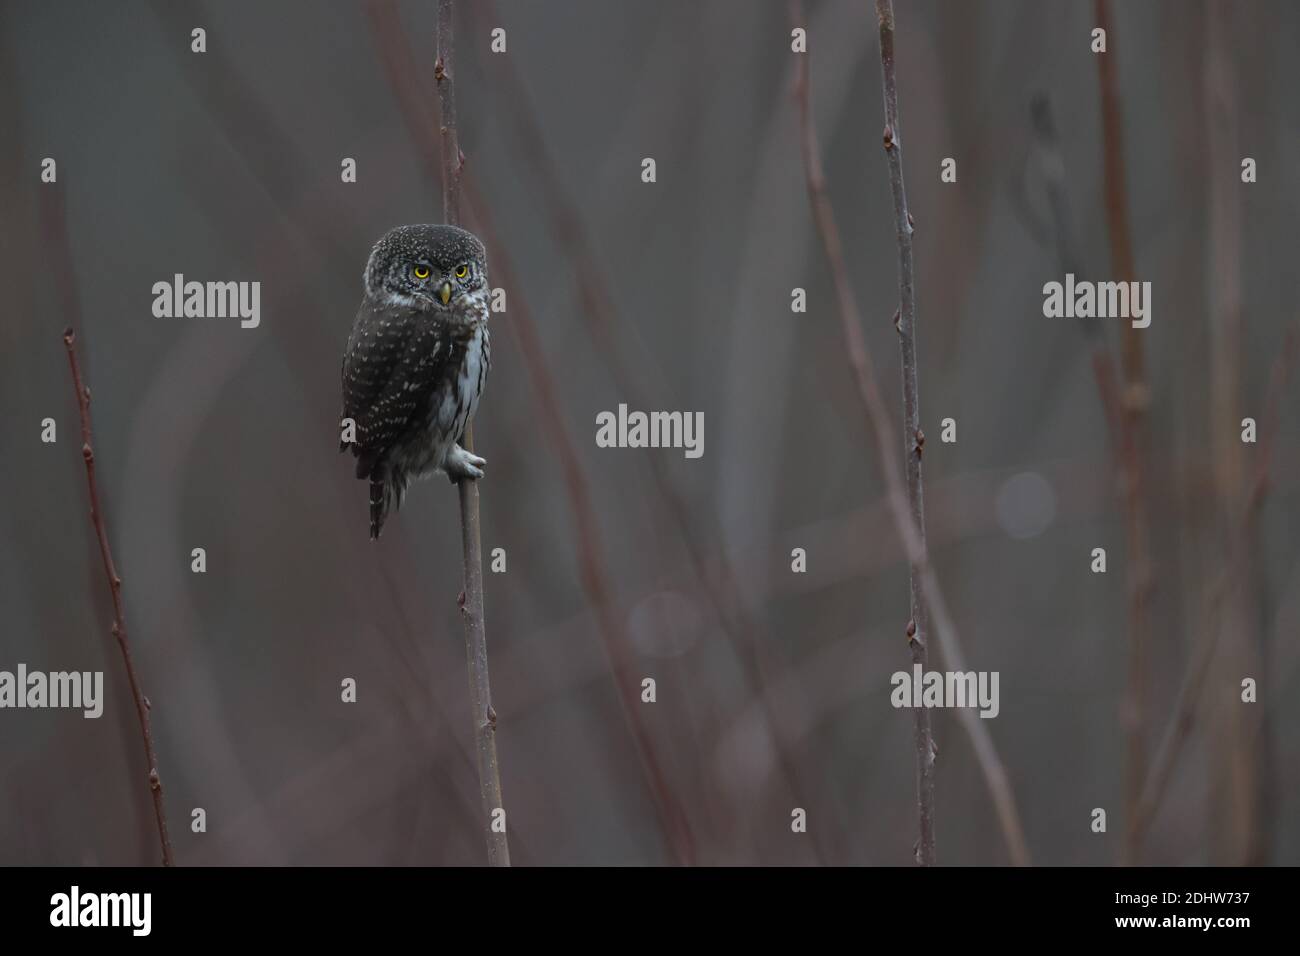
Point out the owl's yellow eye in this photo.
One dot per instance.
(420, 272)
(462, 271)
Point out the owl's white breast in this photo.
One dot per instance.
(459, 403)
(473, 370)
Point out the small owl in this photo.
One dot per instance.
(416, 361)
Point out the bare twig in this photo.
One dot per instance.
(913, 438)
(471, 599)
(453, 160)
(592, 564)
(888, 462)
(1136, 399)
(115, 589)
(1240, 769)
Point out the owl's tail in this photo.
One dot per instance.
(387, 489)
(378, 506)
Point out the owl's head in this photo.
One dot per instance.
(433, 268)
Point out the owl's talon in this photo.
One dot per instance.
(464, 464)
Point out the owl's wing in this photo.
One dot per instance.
(391, 369)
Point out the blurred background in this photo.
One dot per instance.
(772, 686)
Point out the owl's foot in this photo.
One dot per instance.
(464, 464)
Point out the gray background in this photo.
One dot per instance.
(226, 166)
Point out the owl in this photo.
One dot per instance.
(416, 361)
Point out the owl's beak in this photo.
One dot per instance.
(444, 292)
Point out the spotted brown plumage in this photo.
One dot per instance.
(416, 361)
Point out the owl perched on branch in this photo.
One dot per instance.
(416, 361)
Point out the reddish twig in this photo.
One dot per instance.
(115, 589)
(471, 599)
(1239, 758)
(453, 160)
(918, 627)
(886, 457)
(1132, 432)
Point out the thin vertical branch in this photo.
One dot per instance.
(1132, 432)
(887, 459)
(453, 160)
(1116, 196)
(1239, 764)
(471, 600)
(913, 438)
(115, 589)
